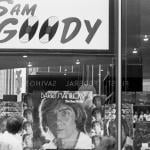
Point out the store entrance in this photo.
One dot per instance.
(84, 85)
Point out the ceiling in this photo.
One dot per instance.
(18, 61)
(43, 61)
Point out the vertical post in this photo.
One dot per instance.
(48, 68)
(60, 69)
(72, 69)
(92, 74)
(119, 75)
(83, 74)
(88, 72)
(99, 78)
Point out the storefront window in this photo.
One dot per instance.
(58, 74)
(77, 79)
(135, 89)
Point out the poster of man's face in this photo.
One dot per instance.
(61, 121)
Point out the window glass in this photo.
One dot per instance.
(135, 76)
(60, 97)
(58, 75)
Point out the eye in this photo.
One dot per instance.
(65, 113)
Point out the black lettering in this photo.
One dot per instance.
(91, 30)
(11, 33)
(67, 22)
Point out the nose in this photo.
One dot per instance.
(59, 124)
(59, 121)
(56, 119)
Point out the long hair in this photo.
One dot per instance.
(48, 104)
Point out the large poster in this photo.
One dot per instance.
(59, 119)
(54, 24)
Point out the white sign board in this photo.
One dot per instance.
(54, 24)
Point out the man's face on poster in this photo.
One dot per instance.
(61, 121)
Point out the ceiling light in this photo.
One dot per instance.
(29, 64)
(146, 38)
(24, 56)
(77, 62)
(65, 70)
(134, 51)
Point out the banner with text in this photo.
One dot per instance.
(54, 24)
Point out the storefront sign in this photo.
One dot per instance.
(54, 24)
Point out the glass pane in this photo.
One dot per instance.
(58, 74)
(135, 89)
(83, 87)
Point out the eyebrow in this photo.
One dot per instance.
(51, 111)
(64, 109)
